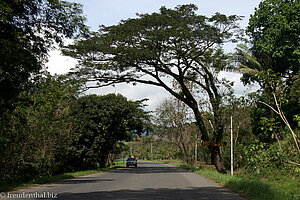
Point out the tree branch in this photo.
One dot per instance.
(269, 106)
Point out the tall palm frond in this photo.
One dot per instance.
(246, 62)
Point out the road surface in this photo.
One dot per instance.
(147, 181)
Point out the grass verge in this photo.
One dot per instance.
(42, 180)
(265, 189)
(255, 189)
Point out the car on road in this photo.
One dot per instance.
(131, 162)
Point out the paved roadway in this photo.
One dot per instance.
(147, 181)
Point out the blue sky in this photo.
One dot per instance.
(110, 12)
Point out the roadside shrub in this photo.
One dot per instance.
(262, 157)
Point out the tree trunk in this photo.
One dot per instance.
(200, 124)
(216, 157)
(102, 162)
(109, 160)
(217, 160)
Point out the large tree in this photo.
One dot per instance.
(28, 29)
(101, 122)
(174, 44)
(273, 59)
(274, 30)
(273, 62)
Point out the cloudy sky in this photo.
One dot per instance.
(110, 12)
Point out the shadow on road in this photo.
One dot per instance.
(82, 180)
(146, 170)
(200, 193)
(148, 167)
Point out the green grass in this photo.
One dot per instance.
(276, 187)
(255, 189)
(288, 183)
(42, 180)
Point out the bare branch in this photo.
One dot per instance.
(293, 163)
(282, 116)
(269, 106)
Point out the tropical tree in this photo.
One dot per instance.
(274, 33)
(273, 59)
(103, 121)
(154, 48)
(28, 30)
(273, 62)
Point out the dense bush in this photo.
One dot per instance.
(35, 134)
(101, 123)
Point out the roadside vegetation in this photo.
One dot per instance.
(275, 187)
(281, 187)
(67, 175)
(49, 126)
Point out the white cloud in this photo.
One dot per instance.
(238, 86)
(155, 94)
(59, 64)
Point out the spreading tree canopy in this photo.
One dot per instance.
(174, 44)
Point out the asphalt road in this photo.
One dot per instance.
(147, 181)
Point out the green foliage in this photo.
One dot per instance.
(35, 134)
(297, 118)
(258, 190)
(273, 62)
(28, 30)
(260, 116)
(261, 157)
(101, 122)
(270, 127)
(274, 187)
(292, 108)
(68, 175)
(51, 131)
(162, 149)
(150, 43)
(274, 29)
(240, 110)
(295, 89)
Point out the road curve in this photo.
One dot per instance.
(147, 181)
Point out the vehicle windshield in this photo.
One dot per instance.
(131, 159)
